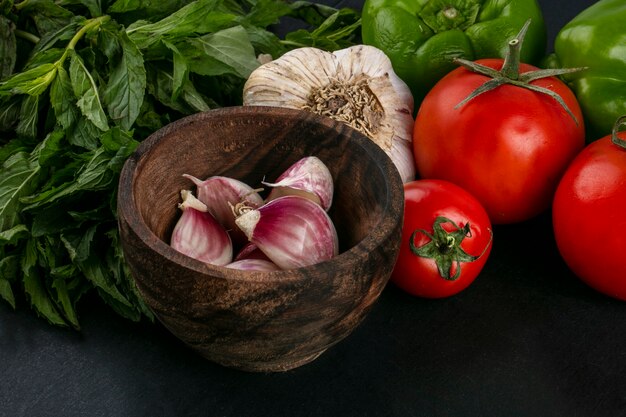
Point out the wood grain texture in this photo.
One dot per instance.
(260, 321)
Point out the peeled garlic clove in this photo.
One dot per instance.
(198, 235)
(219, 193)
(253, 265)
(292, 231)
(309, 177)
(355, 85)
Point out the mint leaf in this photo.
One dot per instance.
(93, 175)
(267, 12)
(64, 300)
(336, 32)
(8, 47)
(9, 266)
(127, 83)
(48, 16)
(28, 118)
(61, 284)
(181, 70)
(9, 112)
(19, 178)
(228, 51)
(64, 109)
(35, 288)
(86, 91)
(32, 82)
(120, 145)
(94, 6)
(84, 134)
(311, 13)
(5, 290)
(153, 8)
(79, 130)
(50, 222)
(198, 17)
(51, 148)
(265, 42)
(190, 100)
(79, 246)
(13, 235)
(50, 40)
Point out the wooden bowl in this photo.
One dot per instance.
(260, 321)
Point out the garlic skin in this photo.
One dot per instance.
(198, 235)
(309, 177)
(253, 265)
(292, 231)
(355, 85)
(219, 193)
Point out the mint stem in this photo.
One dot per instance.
(27, 36)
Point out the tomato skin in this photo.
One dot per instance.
(425, 200)
(588, 216)
(508, 147)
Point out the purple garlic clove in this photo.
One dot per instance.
(250, 251)
(309, 177)
(292, 231)
(198, 235)
(253, 265)
(219, 193)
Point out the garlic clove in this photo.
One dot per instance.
(292, 231)
(253, 265)
(309, 177)
(219, 193)
(198, 235)
(250, 251)
(355, 85)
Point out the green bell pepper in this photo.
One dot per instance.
(596, 39)
(421, 37)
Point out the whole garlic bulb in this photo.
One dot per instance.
(356, 85)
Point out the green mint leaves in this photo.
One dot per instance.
(82, 83)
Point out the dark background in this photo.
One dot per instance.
(526, 339)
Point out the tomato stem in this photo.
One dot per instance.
(510, 67)
(510, 74)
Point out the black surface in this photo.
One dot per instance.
(526, 339)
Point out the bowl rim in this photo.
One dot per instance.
(393, 213)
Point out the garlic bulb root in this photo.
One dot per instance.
(355, 85)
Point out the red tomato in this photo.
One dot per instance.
(589, 216)
(452, 233)
(508, 146)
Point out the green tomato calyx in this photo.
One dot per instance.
(619, 124)
(510, 74)
(445, 247)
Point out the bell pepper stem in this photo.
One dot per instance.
(619, 124)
